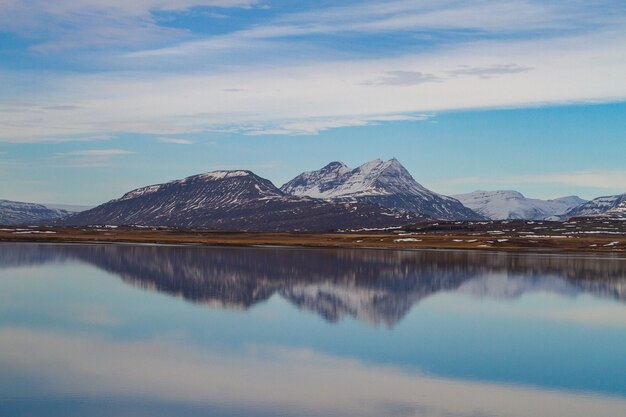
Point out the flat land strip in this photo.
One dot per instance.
(583, 235)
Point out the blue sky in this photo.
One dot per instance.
(98, 97)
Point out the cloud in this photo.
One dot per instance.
(481, 17)
(404, 78)
(602, 181)
(564, 71)
(496, 54)
(593, 178)
(64, 24)
(176, 141)
(133, 25)
(490, 71)
(315, 126)
(89, 158)
(262, 165)
(61, 107)
(97, 152)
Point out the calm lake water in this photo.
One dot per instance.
(127, 330)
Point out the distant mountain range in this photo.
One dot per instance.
(235, 200)
(20, 213)
(376, 195)
(506, 204)
(610, 206)
(387, 184)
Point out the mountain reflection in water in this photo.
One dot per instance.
(104, 331)
(374, 286)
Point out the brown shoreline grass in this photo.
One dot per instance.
(493, 236)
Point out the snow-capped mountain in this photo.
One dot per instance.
(234, 200)
(608, 206)
(20, 213)
(506, 204)
(386, 183)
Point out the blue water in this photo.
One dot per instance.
(123, 330)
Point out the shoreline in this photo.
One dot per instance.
(438, 239)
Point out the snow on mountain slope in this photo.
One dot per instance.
(234, 200)
(618, 211)
(386, 183)
(507, 204)
(20, 213)
(610, 206)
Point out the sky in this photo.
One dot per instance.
(100, 97)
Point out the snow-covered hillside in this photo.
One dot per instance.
(20, 213)
(235, 200)
(507, 204)
(610, 206)
(386, 183)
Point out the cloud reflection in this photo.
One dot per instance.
(266, 380)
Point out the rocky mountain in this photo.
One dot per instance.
(386, 183)
(20, 213)
(506, 204)
(613, 206)
(234, 200)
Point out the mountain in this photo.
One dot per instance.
(20, 213)
(234, 200)
(609, 206)
(388, 184)
(506, 204)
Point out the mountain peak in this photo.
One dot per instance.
(335, 165)
(370, 166)
(242, 177)
(236, 200)
(386, 183)
(221, 174)
(612, 205)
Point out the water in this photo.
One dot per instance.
(123, 330)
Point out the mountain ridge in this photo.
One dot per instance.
(386, 183)
(613, 206)
(510, 204)
(234, 200)
(24, 213)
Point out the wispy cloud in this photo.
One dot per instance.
(404, 78)
(260, 165)
(64, 24)
(564, 71)
(496, 54)
(96, 152)
(67, 23)
(592, 178)
(489, 71)
(369, 17)
(176, 141)
(89, 158)
(315, 126)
